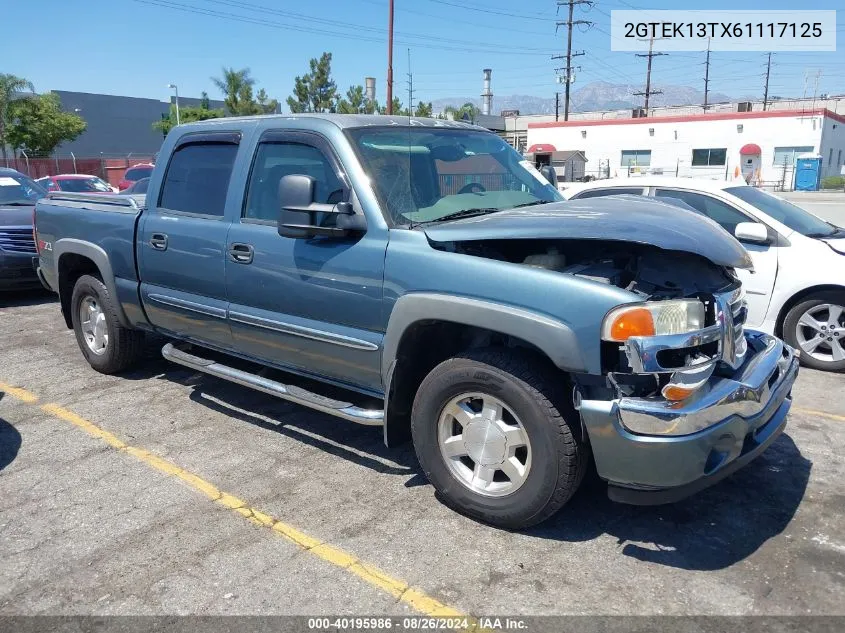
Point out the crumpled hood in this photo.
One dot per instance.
(618, 218)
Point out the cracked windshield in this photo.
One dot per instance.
(428, 175)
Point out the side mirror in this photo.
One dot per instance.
(549, 174)
(753, 232)
(301, 217)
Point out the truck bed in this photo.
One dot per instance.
(105, 223)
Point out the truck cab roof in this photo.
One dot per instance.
(342, 121)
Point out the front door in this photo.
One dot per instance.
(758, 284)
(310, 305)
(182, 240)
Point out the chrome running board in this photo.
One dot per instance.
(338, 408)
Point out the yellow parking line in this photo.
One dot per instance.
(822, 414)
(374, 576)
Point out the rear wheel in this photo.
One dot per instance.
(816, 326)
(495, 440)
(107, 345)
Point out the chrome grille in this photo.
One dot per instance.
(17, 240)
(731, 313)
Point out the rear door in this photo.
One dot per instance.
(310, 305)
(758, 284)
(182, 240)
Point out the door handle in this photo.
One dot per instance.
(158, 241)
(241, 253)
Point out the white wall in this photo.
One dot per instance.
(672, 142)
(833, 138)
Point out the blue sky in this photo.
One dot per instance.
(137, 47)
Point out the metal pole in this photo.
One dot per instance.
(568, 76)
(390, 58)
(73, 156)
(707, 75)
(176, 90)
(766, 89)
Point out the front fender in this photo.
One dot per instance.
(552, 337)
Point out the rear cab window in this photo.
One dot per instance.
(198, 175)
(609, 191)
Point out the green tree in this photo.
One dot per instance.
(205, 103)
(10, 85)
(265, 104)
(467, 112)
(423, 109)
(236, 86)
(38, 125)
(315, 91)
(398, 110)
(186, 115)
(354, 103)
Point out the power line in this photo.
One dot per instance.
(568, 78)
(334, 33)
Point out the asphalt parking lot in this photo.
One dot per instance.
(168, 492)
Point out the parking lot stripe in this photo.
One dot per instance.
(21, 394)
(370, 574)
(821, 414)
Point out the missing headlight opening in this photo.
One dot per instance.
(652, 273)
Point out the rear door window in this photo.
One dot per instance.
(720, 212)
(197, 178)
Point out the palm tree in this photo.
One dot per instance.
(236, 86)
(10, 85)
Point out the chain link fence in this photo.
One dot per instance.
(109, 167)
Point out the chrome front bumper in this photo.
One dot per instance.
(730, 419)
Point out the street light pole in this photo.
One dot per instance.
(176, 90)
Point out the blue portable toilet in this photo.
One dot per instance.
(808, 173)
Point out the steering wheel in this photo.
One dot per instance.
(472, 187)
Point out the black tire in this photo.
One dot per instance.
(535, 394)
(791, 325)
(125, 347)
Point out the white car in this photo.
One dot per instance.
(797, 288)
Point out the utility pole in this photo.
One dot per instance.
(648, 91)
(568, 77)
(707, 75)
(557, 106)
(766, 89)
(390, 57)
(410, 86)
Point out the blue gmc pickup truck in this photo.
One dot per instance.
(429, 280)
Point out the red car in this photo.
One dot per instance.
(81, 183)
(134, 174)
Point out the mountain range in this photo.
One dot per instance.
(597, 95)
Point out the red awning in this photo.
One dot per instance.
(541, 147)
(751, 149)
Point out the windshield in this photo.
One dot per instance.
(784, 212)
(136, 173)
(84, 185)
(425, 174)
(19, 189)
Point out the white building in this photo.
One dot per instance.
(762, 145)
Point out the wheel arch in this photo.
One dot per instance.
(800, 296)
(75, 258)
(426, 329)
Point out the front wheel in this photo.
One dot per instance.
(816, 326)
(107, 345)
(494, 438)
